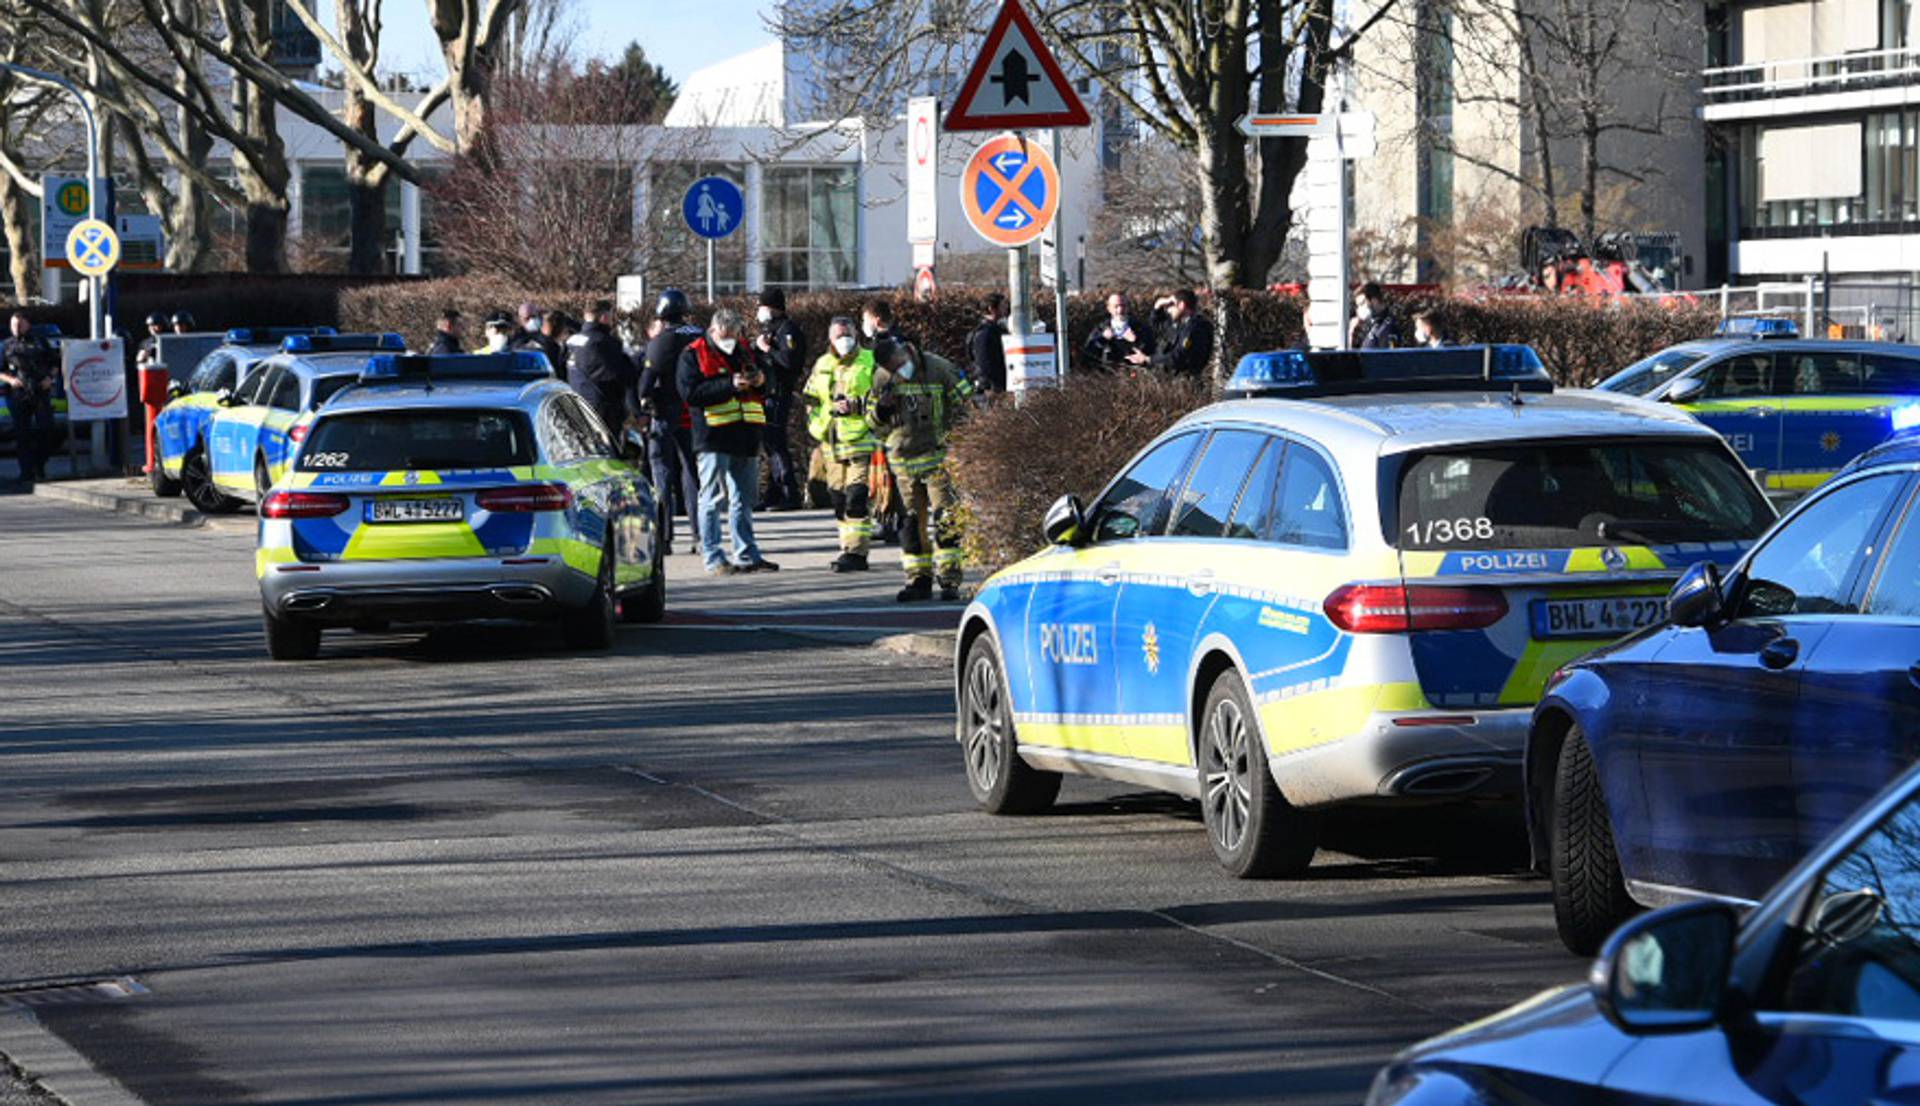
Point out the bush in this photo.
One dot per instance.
(413, 308)
(1010, 462)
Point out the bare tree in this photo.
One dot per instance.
(1148, 231)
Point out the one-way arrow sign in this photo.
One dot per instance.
(1014, 82)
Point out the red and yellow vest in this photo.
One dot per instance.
(749, 406)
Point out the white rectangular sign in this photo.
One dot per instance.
(923, 169)
(63, 205)
(95, 373)
(1030, 361)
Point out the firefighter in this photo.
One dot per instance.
(916, 396)
(838, 392)
(670, 428)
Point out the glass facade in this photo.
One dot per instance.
(1888, 201)
(809, 227)
(326, 213)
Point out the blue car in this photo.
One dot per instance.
(1705, 755)
(1813, 999)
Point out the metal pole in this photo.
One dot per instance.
(1059, 273)
(709, 272)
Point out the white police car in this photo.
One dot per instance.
(1351, 584)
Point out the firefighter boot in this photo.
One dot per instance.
(918, 590)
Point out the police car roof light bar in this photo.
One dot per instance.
(343, 343)
(391, 368)
(270, 335)
(1757, 326)
(1302, 374)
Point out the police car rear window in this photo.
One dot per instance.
(1562, 495)
(1642, 377)
(385, 441)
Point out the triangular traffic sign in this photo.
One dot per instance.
(1015, 82)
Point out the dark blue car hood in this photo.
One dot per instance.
(1544, 1049)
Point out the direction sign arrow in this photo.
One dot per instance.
(1008, 162)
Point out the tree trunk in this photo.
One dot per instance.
(368, 204)
(15, 207)
(263, 171)
(1589, 174)
(190, 217)
(1537, 108)
(367, 180)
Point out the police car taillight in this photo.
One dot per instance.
(525, 497)
(1397, 609)
(297, 433)
(302, 505)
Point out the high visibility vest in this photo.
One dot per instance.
(846, 436)
(749, 406)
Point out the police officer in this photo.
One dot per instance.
(556, 327)
(150, 345)
(499, 330)
(447, 333)
(838, 392)
(916, 396)
(1189, 346)
(29, 376)
(670, 431)
(984, 345)
(1113, 342)
(183, 322)
(781, 353)
(598, 367)
(1374, 326)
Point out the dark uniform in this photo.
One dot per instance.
(600, 370)
(537, 342)
(989, 356)
(1189, 347)
(670, 436)
(785, 365)
(30, 405)
(1108, 350)
(443, 344)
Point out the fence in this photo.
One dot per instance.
(1886, 311)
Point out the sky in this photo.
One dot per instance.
(680, 35)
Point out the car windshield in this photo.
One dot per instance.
(1561, 495)
(383, 441)
(1645, 375)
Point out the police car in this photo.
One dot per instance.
(256, 427)
(185, 461)
(1795, 410)
(450, 488)
(1351, 584)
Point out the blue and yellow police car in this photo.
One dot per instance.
(1795, 410)
(1350, 584)
(185, 462)
(256, 427)
(450, 488)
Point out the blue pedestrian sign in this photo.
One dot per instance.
(714, 207)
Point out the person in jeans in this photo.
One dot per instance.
(726, 397)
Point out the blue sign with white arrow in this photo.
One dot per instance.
(714, 207)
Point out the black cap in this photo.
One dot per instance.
(883, 350)
(156, 319)
(775, 298)
(673, 306)
(499, 318)
(183, 318)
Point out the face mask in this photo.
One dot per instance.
(726, 344)
(533, 325)
(906, 371)
(764, 315)
(496, 343)
(1118, 323)
(843, 345)
(866, 327)
(1363, 311)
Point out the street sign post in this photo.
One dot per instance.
(1014, 81)
(65, 203)
(714, 207)
(1053, 269)
(923, 170)
(93, 249)
(95, 376)
(1010, 191)
(1030, 361)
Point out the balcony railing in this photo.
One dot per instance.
(1804, 76)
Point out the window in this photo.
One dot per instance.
(326, 214)
(254, 385)
(1137, 503)
(1807, 567)
(215, 371)
(1866, 178)
(1642, 377)
(1309, 512)
(1253, 515)
(326, 387)
(1888, 375)
(1750, 374)
(1896, 593)
(1561, 496)
(1215, 486)
(1859, 957)
(810, 228)
(1819, 374)
(383, 441)
(563, 433)
(286, 392)
(593, 434)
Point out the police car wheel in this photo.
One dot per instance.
(1255, 832)
(1589, 894)
(164, 486)
(196, 479)
(592, 626)
(262, 478)
(1001, 782)
(291, 641)
(649, 604)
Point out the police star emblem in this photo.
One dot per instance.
(1150, 648)
(1830, 442)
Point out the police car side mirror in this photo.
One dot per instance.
(1685, 391)
(1066, 522)
(223, 397)
(1698, 598)
(175, 391)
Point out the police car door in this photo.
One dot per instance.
(1835, 410)
(281, 406)
(1741, 404)
(236, 428)
(1073, 700)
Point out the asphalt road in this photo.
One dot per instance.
(733, 860)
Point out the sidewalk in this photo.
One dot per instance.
(805, 597)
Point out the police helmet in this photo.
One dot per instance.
(156, 319)
(183, 318)
(673, 306)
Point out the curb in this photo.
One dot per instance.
(931, 645)
(158, 510)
